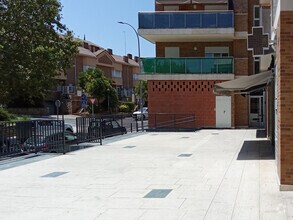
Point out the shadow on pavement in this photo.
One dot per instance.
(257, 150)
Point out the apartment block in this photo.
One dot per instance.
(199, 44)
(122, 70)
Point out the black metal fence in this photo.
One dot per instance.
(17, 138)
(95, 128)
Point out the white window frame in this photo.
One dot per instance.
(117, 73)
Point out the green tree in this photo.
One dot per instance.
(97, 85)
(144, 90)
(34, 47)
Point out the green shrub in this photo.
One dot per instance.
(5, 115)
(123, 108)
(129, 109)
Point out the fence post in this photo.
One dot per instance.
(136, 125)
(63, 132)
(155, 120)
(100, 130)
(35, 135)
(131, 127)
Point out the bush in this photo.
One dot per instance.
(129, 109)
(5, 115)
(123, 108)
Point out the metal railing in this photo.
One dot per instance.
(25, 137)
(95, 128)
(172, 121)
(183, 20)
(187, 65)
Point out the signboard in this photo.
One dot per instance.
(57, 103)
(83, 101)
(93, 101)
(258, 42)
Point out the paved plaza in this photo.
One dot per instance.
(208, 174)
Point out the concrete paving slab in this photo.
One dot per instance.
(230, 175)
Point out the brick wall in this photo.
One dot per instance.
(183, 97)
(285, 97)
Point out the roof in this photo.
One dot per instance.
(98, 52)
(244, 84)
(119, 59)
(85, 52)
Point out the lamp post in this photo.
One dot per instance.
(140, 82)
(108, 91)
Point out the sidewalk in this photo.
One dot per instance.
(208, 174)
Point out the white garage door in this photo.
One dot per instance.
(223, 111)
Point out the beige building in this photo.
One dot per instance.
(122, 70)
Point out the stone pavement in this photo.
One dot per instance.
(208, 174)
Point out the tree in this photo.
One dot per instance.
(144, 90)
(97, 85)
(34, 47)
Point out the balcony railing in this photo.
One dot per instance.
(187, 65)
(178, 20)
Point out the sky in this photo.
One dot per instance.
(97, 20)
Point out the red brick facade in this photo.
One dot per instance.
(183, 97)
(285, 98)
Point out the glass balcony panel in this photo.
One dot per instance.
(187, 65)
(209, 20)
(163, 65)
(193, 20)
(209, 65)
(177, 20)
(148, 65)
(146, 20)
(193, 66)
(162, 20)
(178, 65)
(225, 65)
(225, 20)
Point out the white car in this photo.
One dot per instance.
(137, 114)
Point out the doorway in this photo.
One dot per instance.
(257, 111)
(223, 111)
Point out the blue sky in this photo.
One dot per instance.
(97, 20)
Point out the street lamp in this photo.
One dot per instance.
(140, 82)
(108, 91)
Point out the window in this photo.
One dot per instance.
(256, 16)
(172, 52)
(171, 8)
(256, 65)
(86, 67)
(117, 74)
(216, 52)
(135, 76)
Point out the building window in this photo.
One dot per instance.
(117, 74)
(256, 65)
(171, 8)
(172, 52)
(85, 67)
(135, 76)
(256, 16)
(216, 52)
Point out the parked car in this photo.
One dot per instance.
(109, 127)
(49, 143)
(137, 114)
(9, 145)
(53, 125)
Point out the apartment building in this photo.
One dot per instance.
(200, 43)
(122, 70)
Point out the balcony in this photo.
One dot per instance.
(186, 26)
(187, 65)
